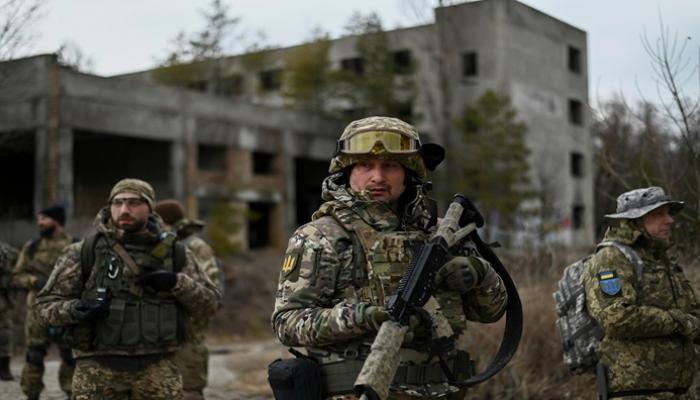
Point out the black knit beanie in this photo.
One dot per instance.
(56, 212)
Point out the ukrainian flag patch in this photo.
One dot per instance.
(610, 283)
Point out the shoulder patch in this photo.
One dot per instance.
(609, 283)
(293, 254)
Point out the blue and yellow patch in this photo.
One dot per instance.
(610, 283)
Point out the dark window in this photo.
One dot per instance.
(355, 65)
(271, 79)
(259, 224)
(577, 214)
(404, 111)
(232, 85)
(470, 64)
(402, 62)
(211, 158)
(574, 59)
(198, 85)
(575, 112)
(576, 164)
(263, 163)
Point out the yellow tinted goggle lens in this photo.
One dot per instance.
(393, 142)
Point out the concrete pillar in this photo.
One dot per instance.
(288, 172)
(65, 169)
(40, 162)
(177, 161)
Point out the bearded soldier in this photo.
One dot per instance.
(340, 269)
(34, 265)
(647, 308)
(8, 257)
(125, 295)
(192, 358)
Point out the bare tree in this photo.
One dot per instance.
(17, 18)
(72, 56)
(673, 69)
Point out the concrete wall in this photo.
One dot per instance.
(109, 119)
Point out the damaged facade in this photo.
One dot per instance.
(67, 137)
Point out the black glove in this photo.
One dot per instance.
(40, 282)
(159, 279)
(94, 309)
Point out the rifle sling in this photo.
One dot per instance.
(514, 318)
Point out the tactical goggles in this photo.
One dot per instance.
(364, 142)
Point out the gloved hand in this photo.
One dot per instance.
(40, 282)
(460, 274)
(159, 279)
(94, 309)
(370, 317)
(688, 324)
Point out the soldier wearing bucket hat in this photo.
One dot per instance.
(644, 303)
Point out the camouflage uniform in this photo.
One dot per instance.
(132, 361)
(34, 265)
(193, 357)
(351, 257)
(643, 348)
(8, 257)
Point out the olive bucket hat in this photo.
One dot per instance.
(639, 202)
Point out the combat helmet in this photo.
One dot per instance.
(639, 202)
(385, 137)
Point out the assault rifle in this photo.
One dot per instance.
(414, 296)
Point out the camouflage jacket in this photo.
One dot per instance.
(207, 262)
(65, 287)
(318, 297)
(641, 347)
(8, 258)
(36, 261)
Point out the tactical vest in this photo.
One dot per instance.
(379, 262)
(140, 319)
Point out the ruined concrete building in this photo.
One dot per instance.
(75, 134)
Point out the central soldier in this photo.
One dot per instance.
(340, 269)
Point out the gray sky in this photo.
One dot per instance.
(129, 35)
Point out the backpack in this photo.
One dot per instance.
(580, 333)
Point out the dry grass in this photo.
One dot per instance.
(536, 372)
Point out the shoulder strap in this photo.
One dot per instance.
(87, 255)
(629, 253)
(33, 246)
(179, 256)
(514, 316)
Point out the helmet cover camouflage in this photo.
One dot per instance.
(412, 161)
(639, 202)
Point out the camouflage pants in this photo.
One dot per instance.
(661, 396)
(38, 341)
(398, 396)
(158, 381)
(192, 360)
(5, 331)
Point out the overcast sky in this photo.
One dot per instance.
(129, 35)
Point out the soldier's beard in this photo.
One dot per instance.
(47, 232)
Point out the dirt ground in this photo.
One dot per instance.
(237, 372)
(241, 341)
